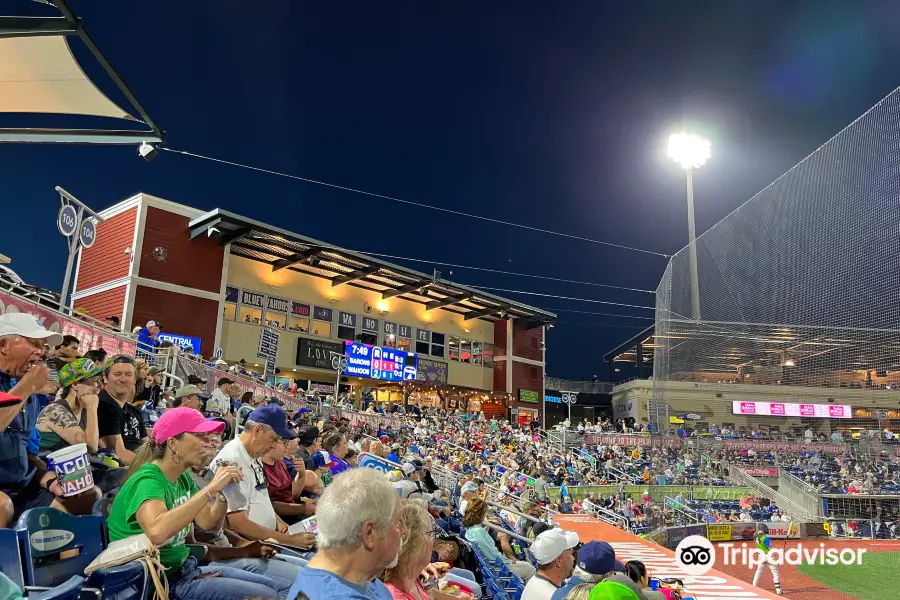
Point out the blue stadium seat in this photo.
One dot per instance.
(44, 534)
(71, 589)
(11, 560)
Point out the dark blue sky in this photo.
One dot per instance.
(551, 114)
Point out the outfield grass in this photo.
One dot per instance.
(874, 579)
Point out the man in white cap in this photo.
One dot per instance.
(553, 551)
(25, 481)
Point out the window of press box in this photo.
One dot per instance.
(321, 328)
(230, 311)
(368, 338)
(465, 351)
(487, 355)
(390, 341)
(276, 319)
(477, 350)
(300, 324)
(346, 333)
(404, 344)
(453, 349)
(250, 315)
(422, 347)
(437, 344)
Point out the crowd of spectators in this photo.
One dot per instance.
(276, 500)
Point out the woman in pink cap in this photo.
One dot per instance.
(160, 499)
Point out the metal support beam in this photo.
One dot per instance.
(201, 230)
(299, 257)
(233, 236)
(76, 136)
(484, 312)
(353, 276)
(37, 26)
(448, 301)
(409, 287)
(88, 41)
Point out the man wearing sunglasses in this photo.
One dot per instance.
(250, 511)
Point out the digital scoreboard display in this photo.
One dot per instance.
(375, 362)
(787, 409)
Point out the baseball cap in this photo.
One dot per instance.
(395, 446)
(598, 558)
(274, 417)
(223, 380)
(78, 370)
(153, 370)
(8, 400)
(468, 487)
(308, 434)
(549, 545)
(176, 421)
(321, 459)
(190, 390)
(28, 326)
(154, 324)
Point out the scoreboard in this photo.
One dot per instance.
(376, 362)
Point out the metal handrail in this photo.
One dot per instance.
(740, 477)
(515, 512)
(507, 532)
(598, 510)
(687, 512)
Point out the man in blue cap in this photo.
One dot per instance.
(595, 559)
(250, 511)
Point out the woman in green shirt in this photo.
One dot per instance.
(161, 500)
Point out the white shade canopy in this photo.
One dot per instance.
(40, 75)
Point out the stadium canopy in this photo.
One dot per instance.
(39, 74)
(283, 249)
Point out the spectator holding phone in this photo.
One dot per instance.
(72, 418)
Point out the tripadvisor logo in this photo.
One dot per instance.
(697, 556)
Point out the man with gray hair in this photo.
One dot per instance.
(250, 511)
(360, 528)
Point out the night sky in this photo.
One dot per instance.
(548, 114)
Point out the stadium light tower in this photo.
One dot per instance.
(691, 152)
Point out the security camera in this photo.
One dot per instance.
(147, 152)
(542, 346)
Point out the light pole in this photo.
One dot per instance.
(568, 398)
(691, 152)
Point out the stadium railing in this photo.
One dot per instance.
(740, 477)
(801, 493)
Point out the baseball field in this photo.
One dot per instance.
(875, 579)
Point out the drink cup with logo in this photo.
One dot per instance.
(73, 469)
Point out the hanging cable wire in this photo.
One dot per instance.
(545, 277)
(410, 202)
(493, 289)
(582, 324)
(587, 312)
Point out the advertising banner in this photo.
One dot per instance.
(788, 409)
(761, 446)
(604, 439)
(371, 461)
(432, 371)
(746, 531)
(759, 471)
(718, 533)
(88, 336)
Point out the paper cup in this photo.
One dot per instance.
(72, 468)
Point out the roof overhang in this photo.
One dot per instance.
(283, 249)
(40, 75)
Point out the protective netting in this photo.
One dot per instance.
(799, 285)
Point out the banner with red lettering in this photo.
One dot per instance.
(603, 439)
(762, 446)
(89, 335)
